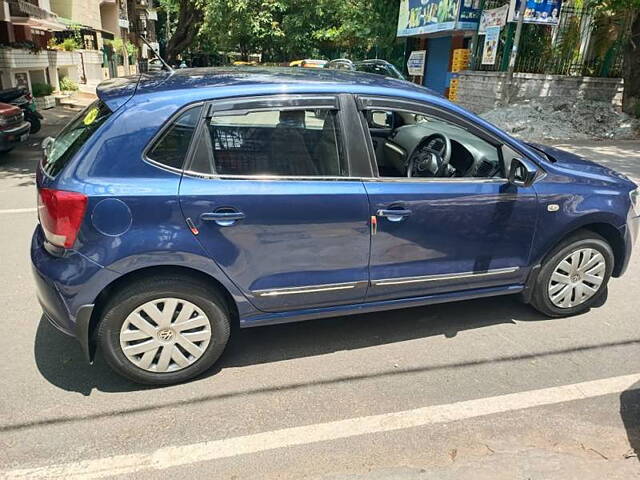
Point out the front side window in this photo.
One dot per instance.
(291, 142)
(415, 145)
(171, 148)
(72, 137)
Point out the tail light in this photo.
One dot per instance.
(61, 215)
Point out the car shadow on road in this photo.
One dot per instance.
(630, 413)
(61, 362)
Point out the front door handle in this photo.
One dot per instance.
(393, 215)
(224, 219)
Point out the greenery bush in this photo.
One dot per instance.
(69, 44)
(68, 85)
(41, 89)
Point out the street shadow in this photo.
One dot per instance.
(630, 413)
(60, 360)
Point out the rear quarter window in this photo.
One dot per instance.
(74, 136)
(172, 146)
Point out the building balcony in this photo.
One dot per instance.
(25, 13)
(20, 58)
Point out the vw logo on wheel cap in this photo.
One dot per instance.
(166, 334)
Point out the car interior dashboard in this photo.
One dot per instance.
(410, 145)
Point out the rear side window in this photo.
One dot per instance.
(287, 142)
(59, 152)
(171, 148)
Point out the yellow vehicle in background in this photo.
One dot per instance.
(308, 63)
(239, 63)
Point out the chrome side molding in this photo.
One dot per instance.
(307, 289)
(442, 276)
(328, 287)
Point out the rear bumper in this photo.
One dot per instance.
(66, 289)
(13, 136)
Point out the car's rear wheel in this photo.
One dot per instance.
(574, 276)
(164, 331)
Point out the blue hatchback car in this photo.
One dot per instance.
(179, 204)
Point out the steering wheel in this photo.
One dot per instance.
(431, 157)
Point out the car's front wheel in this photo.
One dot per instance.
(163, 331)
(574, 276)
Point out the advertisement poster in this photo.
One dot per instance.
(546, 12)
(426, 16)
(469, 15)
(490, 49)
(496, 17)
(415, 64)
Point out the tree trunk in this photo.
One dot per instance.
(631, 70)
(189, 20)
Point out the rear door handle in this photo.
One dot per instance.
(393, 215)
(224, 219)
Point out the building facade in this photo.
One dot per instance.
(85, 41)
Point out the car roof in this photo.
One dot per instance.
(216, 82)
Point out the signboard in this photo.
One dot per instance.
(469, 15)
(496, 17)
(426, 16)
(415, 64)
(545, 12)
(490, 49)
(417, 17)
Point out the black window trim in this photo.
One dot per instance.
(329, 101)
(372, 102)
(165, 128)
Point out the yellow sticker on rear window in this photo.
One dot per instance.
(91, 116)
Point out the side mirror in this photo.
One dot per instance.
(521, 173)
(46, 143)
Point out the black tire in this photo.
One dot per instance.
(145, 290)
(541, 299)
(6, 150)
(36, 125)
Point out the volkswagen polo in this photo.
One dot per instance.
(179, 204)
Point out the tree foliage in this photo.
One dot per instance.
(282, 30)
(612, 13)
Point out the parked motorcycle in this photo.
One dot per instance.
(22, 98)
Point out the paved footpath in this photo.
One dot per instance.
(485, 389)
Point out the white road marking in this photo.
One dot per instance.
(18, 210)
(175, 456)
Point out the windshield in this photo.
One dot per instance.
(73, 136)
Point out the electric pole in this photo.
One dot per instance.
(514, 53)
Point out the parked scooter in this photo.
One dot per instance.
(22, 98)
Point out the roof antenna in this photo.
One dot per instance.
(165, 65)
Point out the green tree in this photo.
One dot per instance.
(190, 14)
(631, 62)
(283, 30)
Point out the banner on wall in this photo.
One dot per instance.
(490, 49)
(418, 17)
(496, 17)
(545, 12)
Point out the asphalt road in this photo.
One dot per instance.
(487, 388)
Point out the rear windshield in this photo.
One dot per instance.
(73, 136)
(380, 69)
